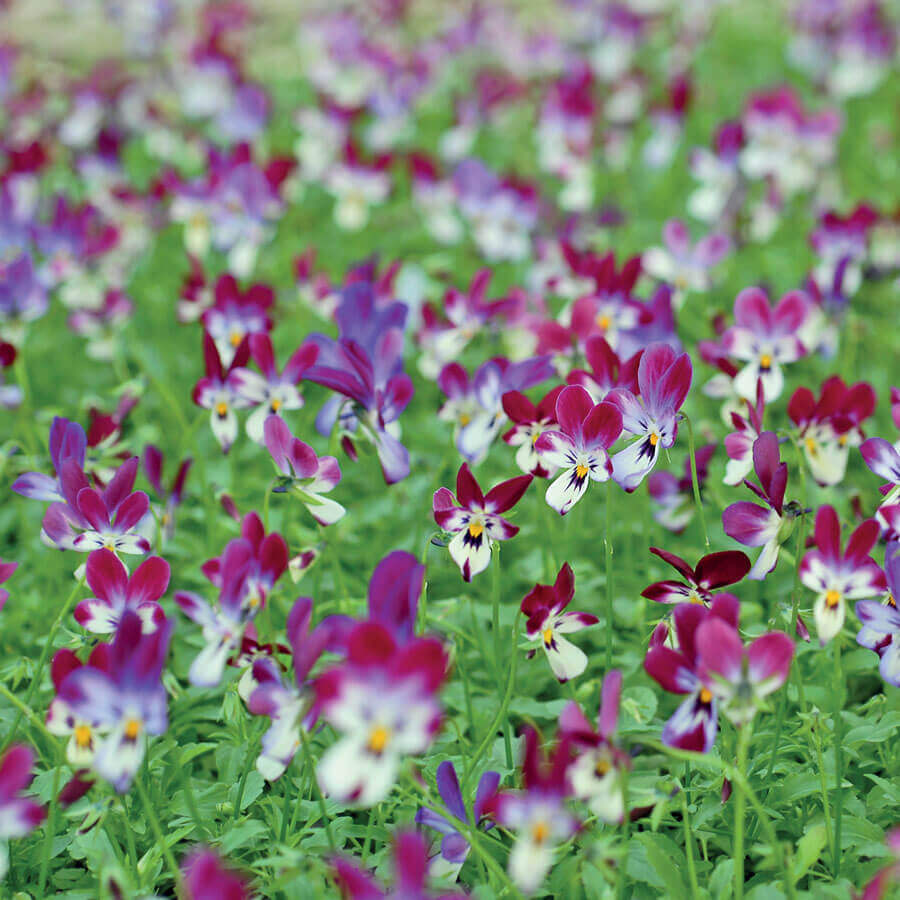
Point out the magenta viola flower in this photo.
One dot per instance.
(883, 458)
(596, 774)
(547, 620)
(6, 572)
(304, 474)
(206, 878)
(765, 339)
(236, 314)
(713, 571)
(171, 497)
(410, 872)
(766, 526)
(673, 497)
(454, 846)
(739, 443)
(126, 703)
(664, 379)
(530, 422)
(18, 815)
(607, 371)
(694, 725)
(115, 592)
(579, 448)
(67, 442)
(888, 876)
(881, 620)
(474, 518)
(837, 576)
(740, 677)
(272, 391)
(537, 814)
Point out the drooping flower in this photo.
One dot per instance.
(305, 475)
(547, 620)
(579, 448)
(18, 815)
(206, 878)
(673, 497)
(664, 379)
(713, 571)
(476, 521)
(838, 576)
(530, 422)
(170, 498)
(739, 443)
(881, 620)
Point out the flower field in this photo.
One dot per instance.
(449, 449)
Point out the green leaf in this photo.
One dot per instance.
(809, 848)
(667, 861)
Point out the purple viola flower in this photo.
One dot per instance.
(579, 448)
(664, 379)
(474, 518)
(765, 339)
(171, 497)
(881, 621)
(766, 526)
(67, 442)
(304, 474)
(272, 391)
(673, 497)
(206, 878)
(23, 298)
(739, 443)
(883, 458)
(694, 725)
(115, 592)
(18, 814)
(454, 847)
(6, 572)
(837, 576)
(713, 571)
(127, 703)
(547, 620)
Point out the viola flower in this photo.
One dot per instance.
(881, 620)
(6, 571)
(579, 447)
(766, 526)
(607, 371)
(713, 571)
(544, 606)
(357, 186)
(596, 774)
(838, 576)
(115, 591)
(103, 325)
(740, 677)
(664, 380)
(18, 815)
(883, 458)
(127, 702)
(67, 442)
(410, 871)
(383, 702)
(206, 878)
(694, 725)
(217, 390)
(476, 522)
(766, 339)
(888, 876)
(674, 497)
(235, 315)
(305, 475)
(739, 443)
(454, 846)
(273, 391)
(10, 394)
(537, 814)
(171, 498)
(530, 423)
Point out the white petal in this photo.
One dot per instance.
(566, 490)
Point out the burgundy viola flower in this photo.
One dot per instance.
(235, 315)
(664, 379)
(530, 422)
(169, 498)
(607, 371)
(673, 497)
(18, 814)
(713, 571)
(476, 521)
(206, 878)
(838, 576)
(544, 606)
(579, 448)
(765, 339)
(67, 442)
(694, 725)
(881, 620)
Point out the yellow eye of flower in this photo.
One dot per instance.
(654, 439)
(275, 405)
(378, 739)
(547, 634)
(581, 470)
(464, 419)
(132, 729)
(705, 695)
(222, 409)
(235, 338)
(811, 445)
(603, 322)
(765, 361)
(540, 831)
(83, 735)
(602, 768)
(475, 529)
(832, 598)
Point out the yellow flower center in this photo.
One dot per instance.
(705, 695)
(811, 445)
(891, 601)
(132, 729)
(654, 439)
(581, 470)
(765, 361)
(222, 409)
(603, 322)
(547, 634)
(464, 419)
(275, 405)
(602, 767)
(842, 440)
(83, 736)
(475, 529)
(378, 739)
(235, 338)
(253, 600)
(540, 831)
(109, 545)
(832, 598)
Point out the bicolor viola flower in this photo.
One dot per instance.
(596, 774)
(765, 339)
(115, 592)
(235, 315)
(694, 725)
(271, 392)
(837, 576)
(537, 814)
(454, 846)
(206, 878)
(579, 448)
(607, 370)
(664, 379)
(218, 393)
(883, 458)
(383, 702)
(673, 497)
(410, 874)
(474, 518)
(67, 442)
(739, 443)
(547, 621)
(170, 499)
(6, 572)
(18, 815)
(303, 474)
(766, 526)
(740, 677)
(881, 620)
(530, 422)
(127, 703)
(713, 571)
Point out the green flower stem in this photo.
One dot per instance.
(826, 807)
(695, 481)
(607, 543)
(838, 754)
(49, 835)
(740, 801)
(310, 762)
(688, 834)
(495, 605)
(156, 828)
(622, 874)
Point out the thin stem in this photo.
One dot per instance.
(307, 754)
(740, 802)
(838, 755)
(495, 604)
(695, 481)
(156, 828)
(826, 810)
(622, 876)
(49, 835)
(129, 840)
(607, 543)
(688, 834)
